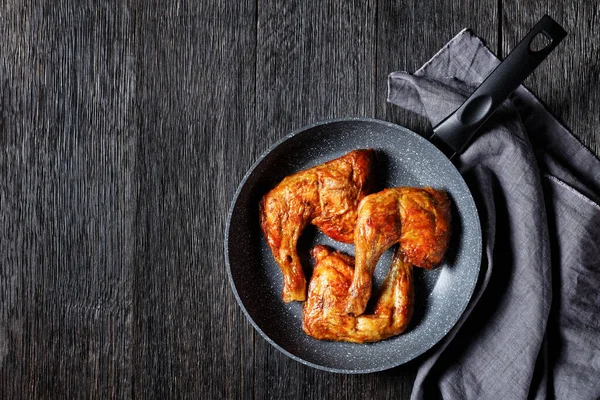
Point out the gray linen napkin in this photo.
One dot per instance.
(532, 329)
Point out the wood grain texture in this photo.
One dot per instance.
(67, 201)
(125, 128)
(195, 98)
(315, 60)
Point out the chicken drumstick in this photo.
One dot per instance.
(324, 315)
(417, 218)
(326, 196)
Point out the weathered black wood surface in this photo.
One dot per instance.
(125, 128)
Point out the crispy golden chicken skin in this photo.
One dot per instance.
(417, 218)
(324, 315)
(326, 196)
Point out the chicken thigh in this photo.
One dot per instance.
(326, 196)
(324, 315)
(417, 218)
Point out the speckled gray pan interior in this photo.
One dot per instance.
(404, 159)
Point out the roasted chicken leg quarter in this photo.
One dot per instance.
(326, 196)
(324, 315)
(417, 218)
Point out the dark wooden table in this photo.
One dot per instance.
(125, 128)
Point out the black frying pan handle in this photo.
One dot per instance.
(456, 131)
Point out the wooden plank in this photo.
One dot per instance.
(315, 60)
(568, 82)
(67, 200)
(195, 98)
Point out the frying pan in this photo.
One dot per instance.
(405, 158)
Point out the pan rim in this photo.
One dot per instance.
(241, 186)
